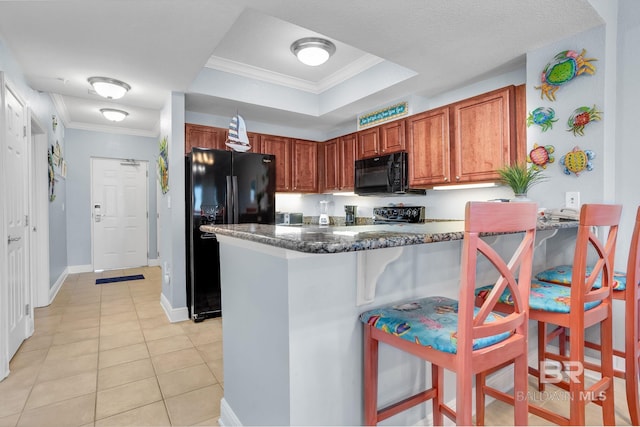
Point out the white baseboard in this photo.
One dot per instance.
(155, 262)
(173, 314)
(53, 291)
(73, 269)
(227, 416)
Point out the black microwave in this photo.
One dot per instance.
(383, 175)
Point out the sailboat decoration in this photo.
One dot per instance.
(238, 139)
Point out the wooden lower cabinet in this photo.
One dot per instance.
(305, 166)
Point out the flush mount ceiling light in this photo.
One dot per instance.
(313, 51)
(113, 114)
(109, 88)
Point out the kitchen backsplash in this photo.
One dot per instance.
(447, 204)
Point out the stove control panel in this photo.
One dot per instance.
(412, 214)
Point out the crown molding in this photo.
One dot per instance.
(61, 108)
(245, 70)
(112, 129)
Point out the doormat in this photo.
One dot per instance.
(119, 279)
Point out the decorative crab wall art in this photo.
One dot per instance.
(580, 118)
(577, 160)
(543, 117)
(564, 67)
(540, 156)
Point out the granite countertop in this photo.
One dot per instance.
(335, 239)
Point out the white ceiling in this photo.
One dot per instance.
(230, 55)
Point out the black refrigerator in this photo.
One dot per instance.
(222, 187)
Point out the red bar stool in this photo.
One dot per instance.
(455, 335)
(625, 288)
(575, 307)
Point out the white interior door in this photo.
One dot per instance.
(17, 207)
(119, 213)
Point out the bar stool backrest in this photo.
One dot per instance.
(594, 215)
(483, 219)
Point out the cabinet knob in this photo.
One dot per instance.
(446, 178)
(457, 178)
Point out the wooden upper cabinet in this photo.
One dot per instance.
(305, 166)
(281, 148)
(392, 137)
(204, 137)
(347, 156)
(336, 160)
(520, 121)
(383, 139)
(329, 166)
(428, 147)
(254, 142)
(368, 143)
(483, 136)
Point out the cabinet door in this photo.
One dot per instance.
(254, 142)
(305, 166)
(329, 173)
(347, 155)
(281, 148)
(392, 137)
(204, 137)
(368, 143)
(483, 136)
(428, 141)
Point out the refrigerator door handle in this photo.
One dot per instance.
(235, 199)
(230, 207)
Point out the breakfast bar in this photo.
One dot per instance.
(291, 297)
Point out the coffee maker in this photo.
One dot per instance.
(350, 214)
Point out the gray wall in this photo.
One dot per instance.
(172, 211)
(42, 109)
(81, 146)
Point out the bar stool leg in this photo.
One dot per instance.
(542, 348)
(370, 378)
(577, 402)
(631, 360)
(480, 400)
(606, 338)
(437, 381)
(520, 403)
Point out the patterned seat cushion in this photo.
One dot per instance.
(431, 322)
(544, 296)
(562, 275)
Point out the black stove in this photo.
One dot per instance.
(398, 214)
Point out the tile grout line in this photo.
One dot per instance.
(144, 337)
(95, 401)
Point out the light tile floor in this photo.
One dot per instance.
(106, 355)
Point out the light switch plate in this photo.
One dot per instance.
(572, 199)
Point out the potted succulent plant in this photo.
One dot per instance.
(520, 178)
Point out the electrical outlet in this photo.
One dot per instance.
(572, 199)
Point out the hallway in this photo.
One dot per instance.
(106, 355)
